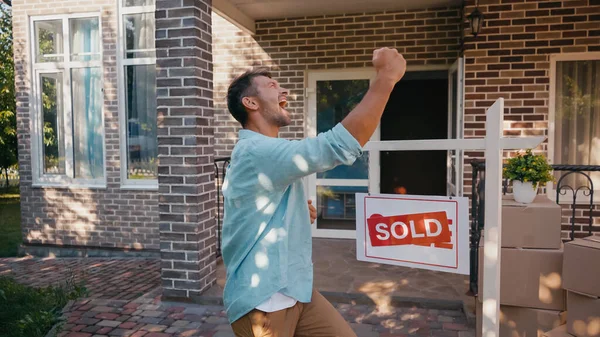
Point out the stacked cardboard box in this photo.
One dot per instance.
(581, 279)
(532, 300)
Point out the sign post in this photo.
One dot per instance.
(493, 144)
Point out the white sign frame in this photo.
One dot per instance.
(492, 144)
(423, 257)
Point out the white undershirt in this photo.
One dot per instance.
(277, 302)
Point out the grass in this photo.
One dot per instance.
(32, 312)
(10, 221)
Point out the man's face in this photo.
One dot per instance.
(272, 99)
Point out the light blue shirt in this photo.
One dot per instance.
(267, 241)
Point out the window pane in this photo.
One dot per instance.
(53, 123)
(336, 206)
(88, 153)
(139, 35)
(85, 39)
(577, 117)
(142, 146)
(131, 3)
(49, 41)
(335, 100)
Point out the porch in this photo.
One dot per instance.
(341, 277)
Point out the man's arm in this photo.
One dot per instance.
(363, 120)
(280, 162)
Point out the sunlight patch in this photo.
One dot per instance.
(272, 236)
(261, 260)
(300, 163)
(255, 280)
(225, 184)
(265, 182)
(261, 202)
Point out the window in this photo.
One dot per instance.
(575, 106)
(137, 86)
(68, 134)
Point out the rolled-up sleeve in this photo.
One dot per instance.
(283, 161)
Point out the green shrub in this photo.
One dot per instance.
(31, 312)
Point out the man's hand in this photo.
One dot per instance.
(389, 64)
(362, 121)
(313, 212)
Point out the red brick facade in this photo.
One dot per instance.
(511, 59)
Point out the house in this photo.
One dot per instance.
(121, 109)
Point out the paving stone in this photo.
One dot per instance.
(78, 327)
(154, 327)
(91, 328)
(150, 320)
(174, 329)
(127, 325)
(123, 318)
(167, 321)
(107, 315)
(151, 313)
(121, 333)
(103, 309)
(112, 324)
(78, 334)
(180, 323)
(158, 334)
(225, 334)
(224, 327)
(104, 330)
(216, 320)
(192, 332)
(139, 334)
(149, 307)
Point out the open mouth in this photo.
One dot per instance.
(282, 102)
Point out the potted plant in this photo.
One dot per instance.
(527, 171)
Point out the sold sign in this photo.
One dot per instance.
(422, 229)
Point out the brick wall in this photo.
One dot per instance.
(109, 217)
(185, 132)
(511, 59)
(291, 47)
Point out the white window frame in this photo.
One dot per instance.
(63, 67)
(550, 191)
(122, 62)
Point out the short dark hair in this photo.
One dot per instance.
(242, 86)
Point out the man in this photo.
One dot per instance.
(267, 243)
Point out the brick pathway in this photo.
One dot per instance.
(149, 317)
(116, 306)
(123, 279)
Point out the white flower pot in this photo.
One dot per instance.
(524, 192)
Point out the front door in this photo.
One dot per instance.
(331, 96)
(417, 109)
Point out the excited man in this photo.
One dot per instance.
(267, 243)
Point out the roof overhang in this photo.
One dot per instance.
(245, 13)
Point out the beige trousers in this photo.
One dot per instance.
(315, 319)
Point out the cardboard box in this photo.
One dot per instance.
(536, 225)
(522, 322)
(583, 318)
(561, 331)
(529, 278)
(581, 266)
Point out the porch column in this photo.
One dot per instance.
(184, 84)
